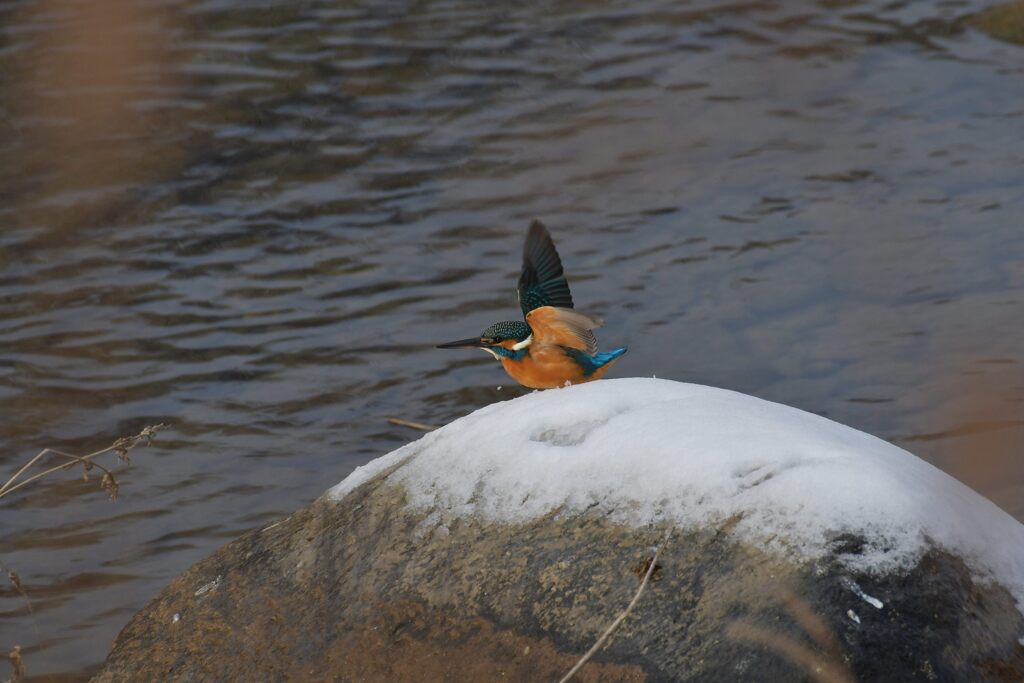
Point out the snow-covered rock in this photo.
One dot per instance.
(649, 451)
(503, 544)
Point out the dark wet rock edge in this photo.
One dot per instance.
(368, 589)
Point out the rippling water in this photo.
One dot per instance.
(254, 221)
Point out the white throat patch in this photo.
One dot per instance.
(496, 356)
(523, 344)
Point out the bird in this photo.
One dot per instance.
(554, 345)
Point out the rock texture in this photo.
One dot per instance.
(370, 589)
(1003, 21)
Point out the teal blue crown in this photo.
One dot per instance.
(509, 329)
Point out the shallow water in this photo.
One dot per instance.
(254, 222)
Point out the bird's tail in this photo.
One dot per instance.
(593, 363)
(602, 359)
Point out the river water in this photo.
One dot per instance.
(253, 221)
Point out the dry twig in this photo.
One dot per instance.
(414, 425)
(619, 619)
(108, 483)
(17, 665)
(826, 667)
(15, 580)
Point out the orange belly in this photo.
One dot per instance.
(548, 368)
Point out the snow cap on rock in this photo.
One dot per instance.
(649, 450)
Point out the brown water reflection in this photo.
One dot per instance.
(817, 203)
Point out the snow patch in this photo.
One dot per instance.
(647, 450)
(852, 586)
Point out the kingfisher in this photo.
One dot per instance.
(554, 346)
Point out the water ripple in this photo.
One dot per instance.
(260, 230)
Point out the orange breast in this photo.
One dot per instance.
(547, 367)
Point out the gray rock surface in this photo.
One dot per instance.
(370, 589)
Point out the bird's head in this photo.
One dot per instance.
(508, 338)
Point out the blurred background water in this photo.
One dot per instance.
(254, 220)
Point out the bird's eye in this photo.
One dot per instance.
(497, 340)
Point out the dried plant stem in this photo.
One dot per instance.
(14, 656)
(827, 667)
(17, 665)
(618, 620)
(24, 468)
(15, 580)
(108, 483)
(72, 460)
(414, 425)
(121, 446)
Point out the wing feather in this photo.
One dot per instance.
(542, 281)
(564, 327)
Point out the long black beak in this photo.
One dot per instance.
(474, 343)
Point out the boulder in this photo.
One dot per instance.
(786, 547)
(1004, 21)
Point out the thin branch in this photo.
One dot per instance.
(823, 668)
(86, 461)
(618, 620)
(813, 625)
(17, 665)
(24, 468)
(414, 425)
(15, 580)
(109, 483)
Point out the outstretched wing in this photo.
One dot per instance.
(564, 327)
(541, 282)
